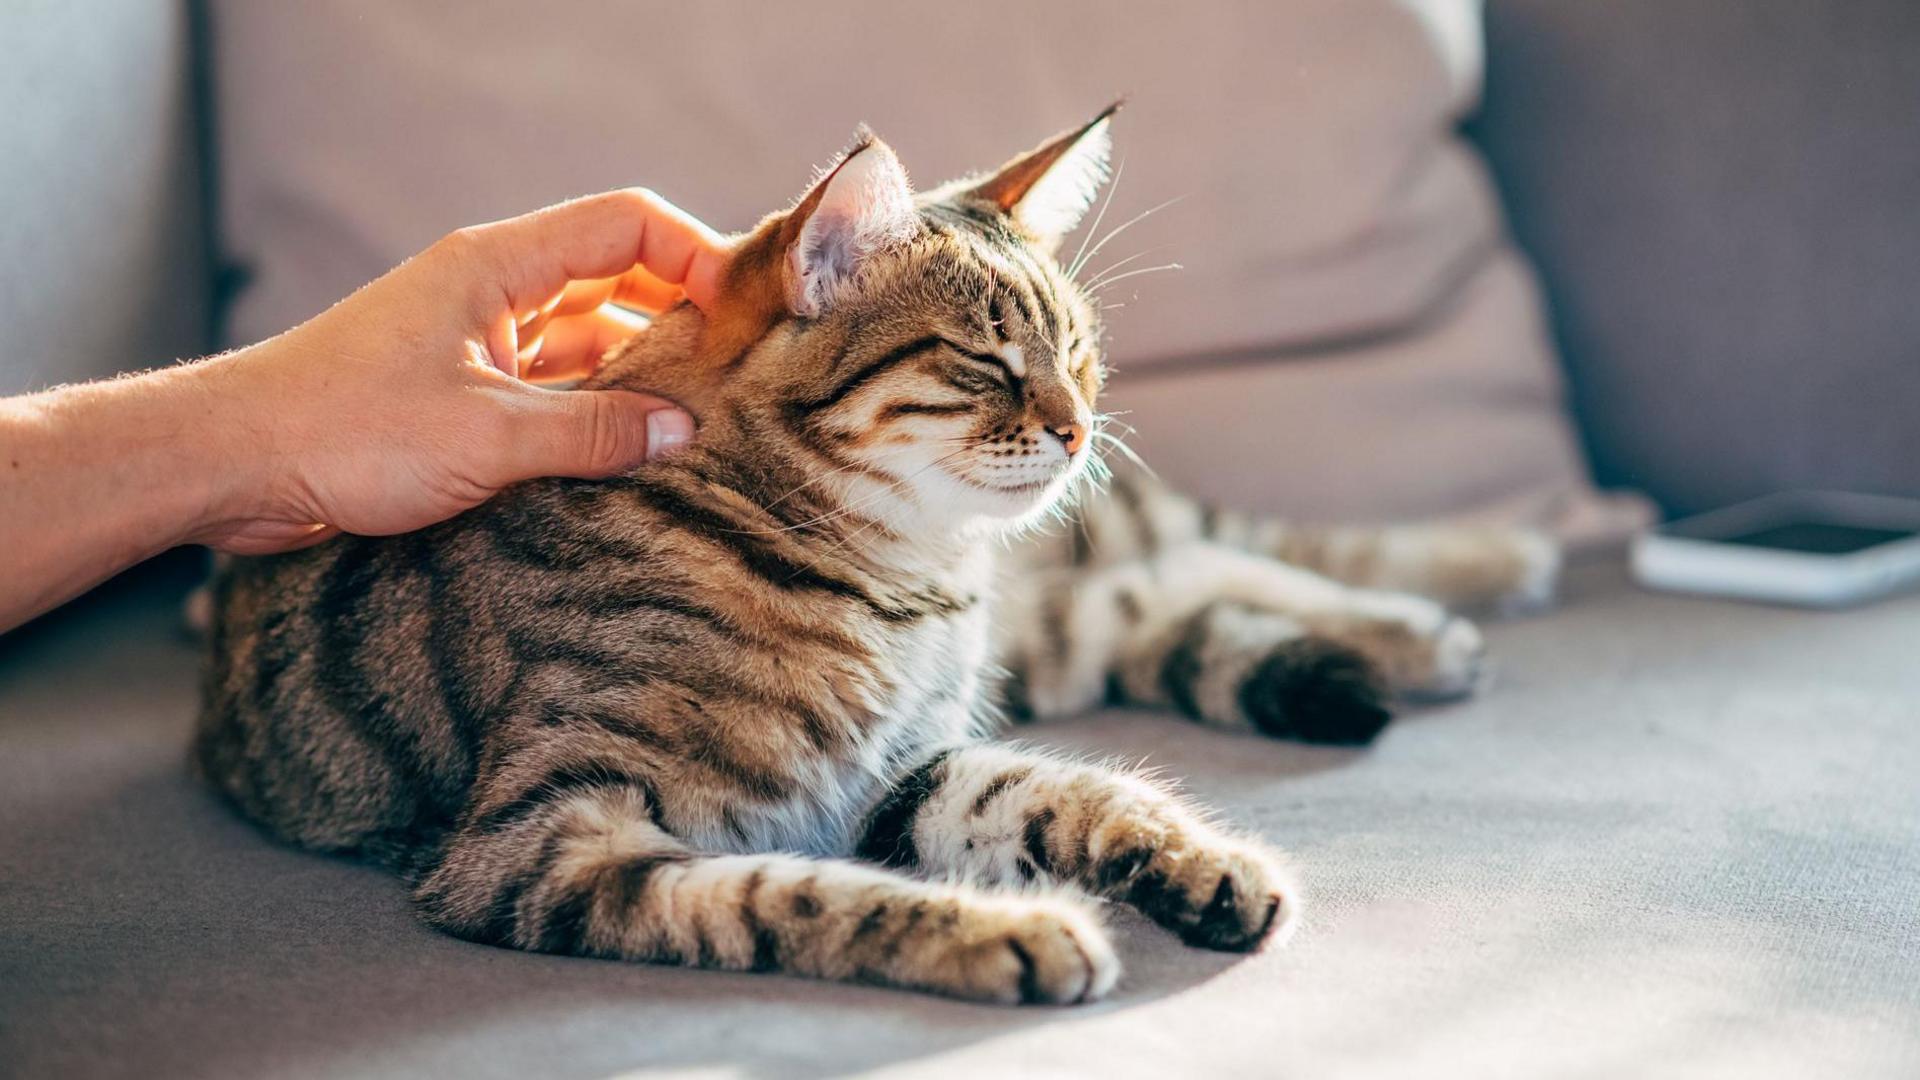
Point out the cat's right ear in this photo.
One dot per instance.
(862, 206)
(802, 261)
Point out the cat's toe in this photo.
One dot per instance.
(1458, 666)
(1425, 652)
(1317, 691)
(1034, 953)
(1537, 580)
(1220, 894)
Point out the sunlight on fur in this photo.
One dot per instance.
(734, 710)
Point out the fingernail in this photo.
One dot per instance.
(667, 430)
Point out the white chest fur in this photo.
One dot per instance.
(926, 693)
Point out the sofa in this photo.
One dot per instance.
(1676, 837)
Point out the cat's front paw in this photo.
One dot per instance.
(1214, 892)
(1536, 580)
(1024, 951)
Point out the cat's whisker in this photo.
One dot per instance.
(1080, 256)
(836, 549)
(1130, 222)
(1104, 282)
(1108, 439)
(810, 481)
(855, 507)
(1112, 266)
(851, 507)
(845, 545)
(841, 471)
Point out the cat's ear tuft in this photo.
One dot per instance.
(863, 205)
(1048, 189)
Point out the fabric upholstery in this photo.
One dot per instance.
(1721, 197)
(1675, 840)
(1326, 204)
(100, 200)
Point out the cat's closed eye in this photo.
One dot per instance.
(990, 359)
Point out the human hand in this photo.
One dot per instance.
(414, 398)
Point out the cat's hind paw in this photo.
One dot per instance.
(1317, 691)
(1425, 652)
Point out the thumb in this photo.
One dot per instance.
(595, 433)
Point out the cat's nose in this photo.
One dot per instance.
(1071, 436)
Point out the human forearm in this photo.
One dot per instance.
(403, 405)
(101, 476)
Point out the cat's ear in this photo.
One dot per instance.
(863, 205)
(1048, 189)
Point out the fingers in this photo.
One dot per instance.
(637, 288)
(572, 347)
(592, 433)
(578, 296)
(604, 236)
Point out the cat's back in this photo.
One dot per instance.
(343, 682)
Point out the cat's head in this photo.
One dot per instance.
(927, 348)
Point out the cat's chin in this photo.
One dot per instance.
(973, 505)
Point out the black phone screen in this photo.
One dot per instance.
(1819, 537)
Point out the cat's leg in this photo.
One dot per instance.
(1482, 567)
(1232, 666)
(577, 863)
(1461, 566)
(1001, 814)
(1232, 639)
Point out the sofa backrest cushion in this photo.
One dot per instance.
(100, 197)
(1724, 200)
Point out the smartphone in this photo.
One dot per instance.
(1813, 548)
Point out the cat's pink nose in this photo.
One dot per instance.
(1071, 436)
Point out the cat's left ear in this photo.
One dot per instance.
(1048, 189)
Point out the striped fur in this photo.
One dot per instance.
(727, 711)
(1147, 597)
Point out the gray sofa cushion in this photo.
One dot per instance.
(1676, 840)
(1722, 199)
(100, 198)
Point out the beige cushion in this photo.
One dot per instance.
(1431, 423)
(1348, 295)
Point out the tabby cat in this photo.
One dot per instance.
(728, 711)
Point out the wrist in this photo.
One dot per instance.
(230, 457)
(177, 451)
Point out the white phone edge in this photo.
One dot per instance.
(1705, 567)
